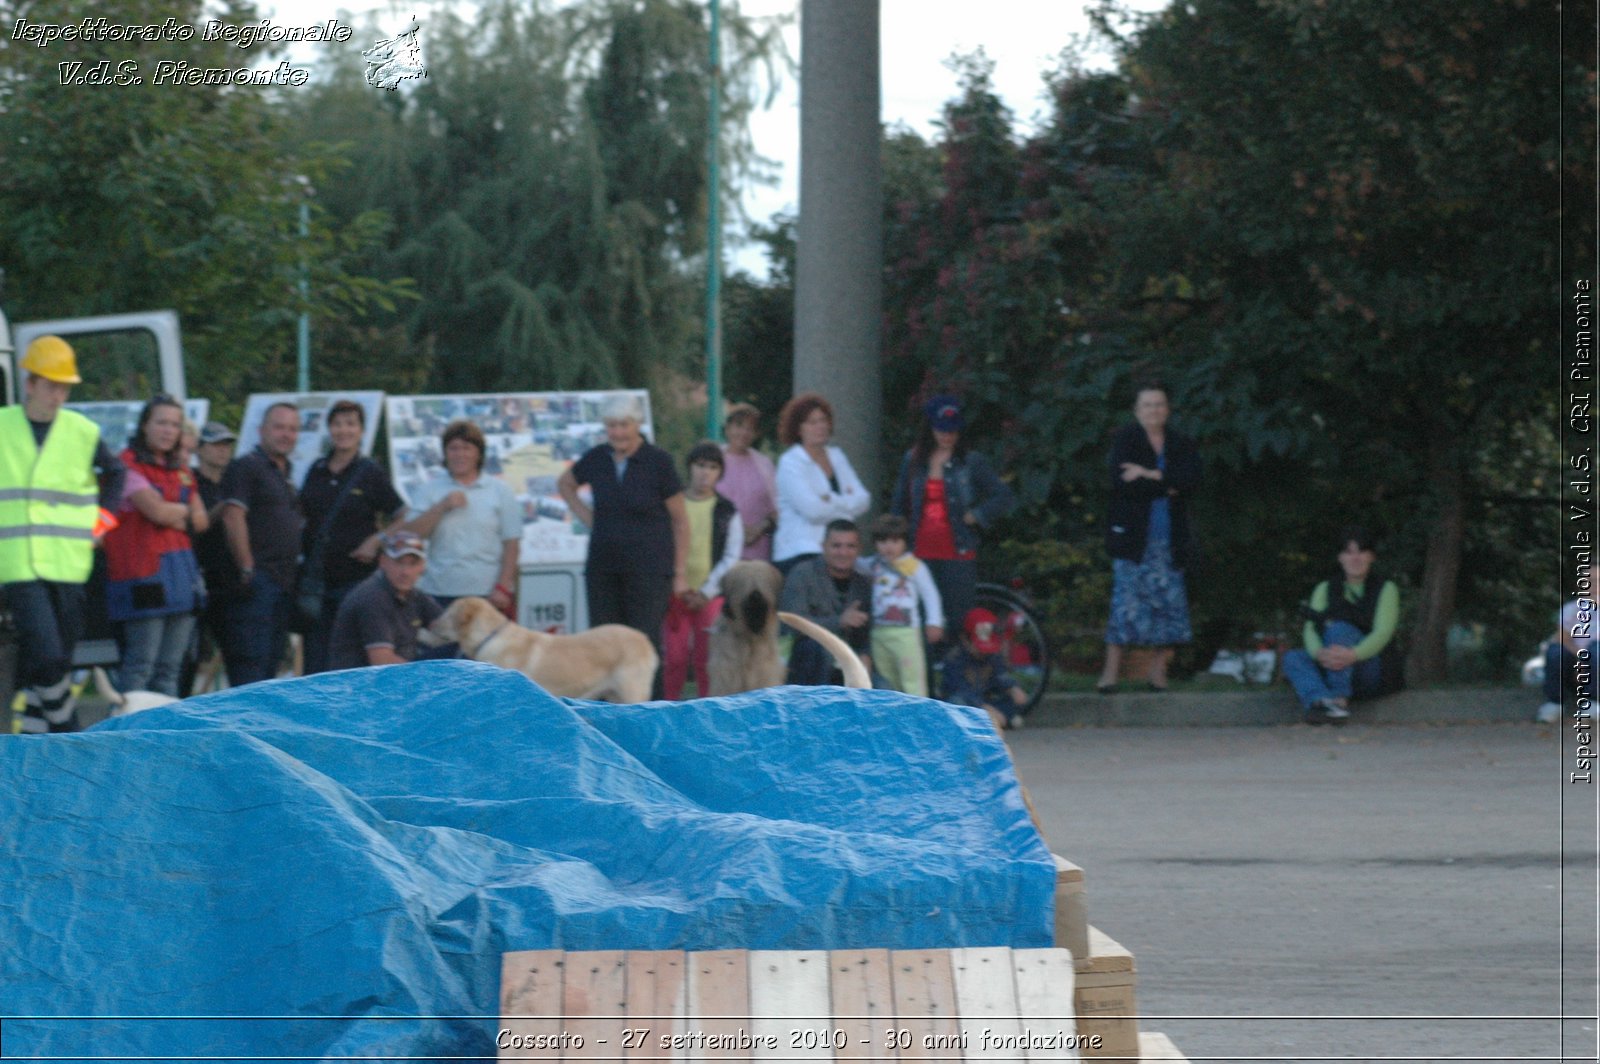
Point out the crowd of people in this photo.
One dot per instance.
(211, 551)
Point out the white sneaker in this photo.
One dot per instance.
(1548, 713)
(1014, 722)
(1335, 713)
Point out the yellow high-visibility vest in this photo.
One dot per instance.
(49, 498)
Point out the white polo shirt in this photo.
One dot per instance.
(464, 550)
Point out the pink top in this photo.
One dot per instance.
(132, 481)
(750, 482)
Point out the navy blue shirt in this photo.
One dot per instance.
(271, 511)
(370, 499)
(632, 530)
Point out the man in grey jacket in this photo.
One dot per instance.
(829, 591)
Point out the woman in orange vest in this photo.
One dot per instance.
(153, 582)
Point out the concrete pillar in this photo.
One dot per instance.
(839, 253)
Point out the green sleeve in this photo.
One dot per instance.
(1311, 635)
(1384, 622)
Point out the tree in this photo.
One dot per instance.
(133, 196)
(1357, 202)
(548, 183)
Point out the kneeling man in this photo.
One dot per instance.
(379, 619)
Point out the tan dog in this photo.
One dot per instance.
(744, 643)
(743, 655)
(612, 661)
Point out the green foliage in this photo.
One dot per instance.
(141, 196)
(1327, 228)
(758, 327)
(548, 186)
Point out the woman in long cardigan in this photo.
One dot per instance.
(1153, 471)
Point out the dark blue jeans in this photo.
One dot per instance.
(49, 619)
(256, 630)
(320, 637)
(1312, 683)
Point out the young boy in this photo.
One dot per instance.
(974, 673)
(716, 538)
(900, 584)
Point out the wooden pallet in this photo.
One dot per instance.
(942, 1004)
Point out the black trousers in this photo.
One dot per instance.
(638, 600)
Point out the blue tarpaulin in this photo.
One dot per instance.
(332, 866)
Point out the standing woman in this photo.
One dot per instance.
(472, 522)
(949, 494)
(348, 500)
(1153, 470)
(749, 481)
(153, 584)
(816, 483)
(638, 526)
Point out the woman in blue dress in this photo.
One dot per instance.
(1154, 470)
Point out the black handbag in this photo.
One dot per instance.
(311, 586)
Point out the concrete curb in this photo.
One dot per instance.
(1254, 707)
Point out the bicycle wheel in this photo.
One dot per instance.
(1023, 645)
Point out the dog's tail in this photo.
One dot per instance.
(855, 673)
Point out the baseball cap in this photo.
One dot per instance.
(980, 628)
(944, 413)
(399, 544)
(217, 432)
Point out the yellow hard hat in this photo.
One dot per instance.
(51, 357)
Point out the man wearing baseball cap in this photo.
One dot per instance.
(379, 619)
(974, 673)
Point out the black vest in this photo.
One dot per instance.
(1360, 612)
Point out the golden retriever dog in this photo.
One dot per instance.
(612, 662)
(744, 643)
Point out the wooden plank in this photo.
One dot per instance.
(986, 1001)
(1158, 1047)
(790, 1014)
(1072, 909)
(1044, 1000)
(593, 995)
(530, 1002)
(1105, 955)
(719, 1004)
(657, 1000)
(862, 993)
(925, 1001)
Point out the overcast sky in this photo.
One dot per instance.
(1023, 37)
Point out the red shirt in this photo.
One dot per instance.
(935, 539)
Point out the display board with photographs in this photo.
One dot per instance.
(532, 438)
(313, 407)
(119, 419)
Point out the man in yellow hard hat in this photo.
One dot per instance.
(58, 486)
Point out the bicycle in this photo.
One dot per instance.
(1023, 645)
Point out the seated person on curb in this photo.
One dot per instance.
(974, 673)
(1573, 645)
(829, 591)
(901, 585)
(1350, 622)
(378, 620)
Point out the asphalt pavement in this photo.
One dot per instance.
(1375, 892)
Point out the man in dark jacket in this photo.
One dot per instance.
(829, 591)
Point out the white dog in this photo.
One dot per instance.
(126, 702)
